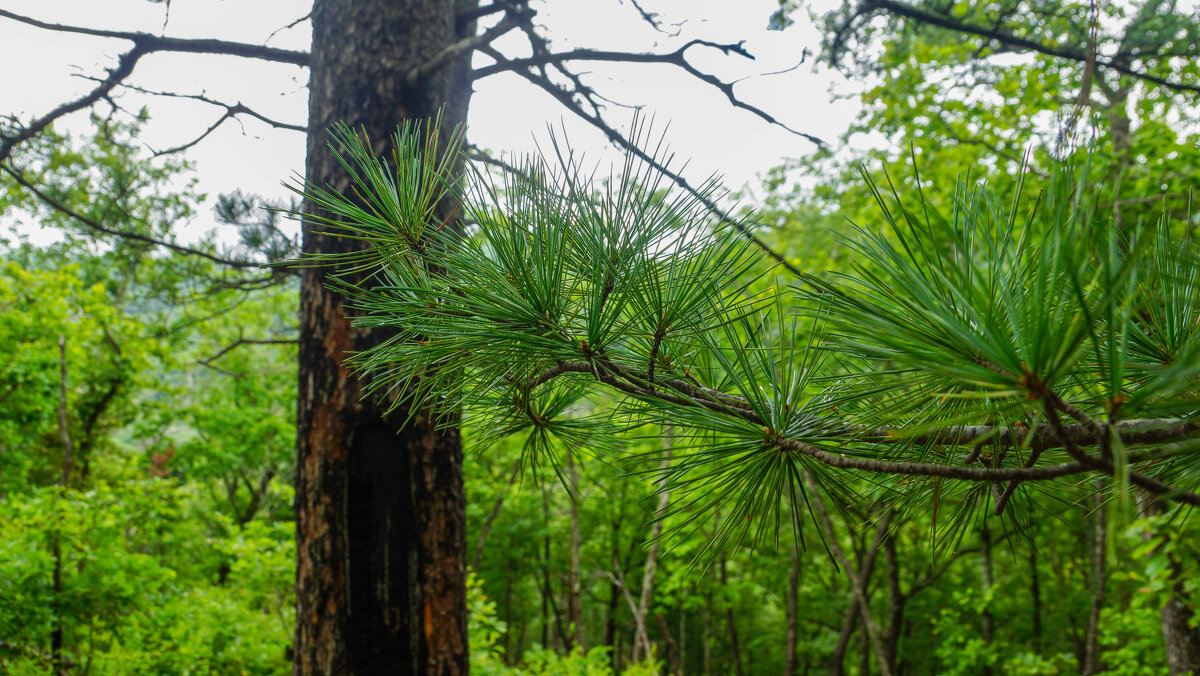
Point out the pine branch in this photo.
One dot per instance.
(231, 112)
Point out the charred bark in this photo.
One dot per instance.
(379, 502)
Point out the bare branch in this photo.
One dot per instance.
(476, 13)
(477, 154)
(246, 341)
(122, 70)
(676, 58)
(290, 26)
(146, 42)
(564, 97)
(231, 111)
(238, 108)
(424, 70)
(655, 22)
(98, 227)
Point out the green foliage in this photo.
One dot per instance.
(488, 658)
(1001, 312)
(102, 345)
(172, 542)
(960, 104)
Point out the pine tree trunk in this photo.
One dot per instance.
(379, 502)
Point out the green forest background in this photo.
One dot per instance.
(147, 418)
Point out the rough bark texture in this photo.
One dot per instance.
(379, 503)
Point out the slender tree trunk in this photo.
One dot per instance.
(734, 646)
(1091, 655)
(706, 637)
(549, 605)
(574, 590)
(896, 602)
(672, 647)
(380, 521)
(64, 434)
(988, 628)
(545, 571)
(486, 528)
(641, 646)
(508, 612)
(837, 659)
(614, 594)
(1035, 596)
(683, 634)
(858, 583)
(859, 579)
(789, 658)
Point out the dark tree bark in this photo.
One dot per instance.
(379, 503)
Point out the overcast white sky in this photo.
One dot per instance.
(40, 70)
